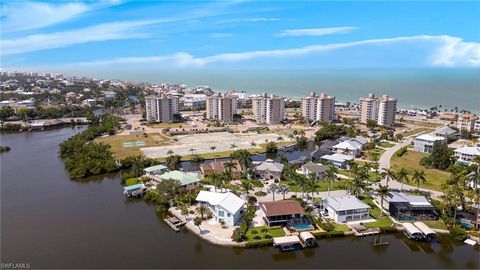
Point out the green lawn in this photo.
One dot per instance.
(322, 185)
(381, 221)
(275, 231)
(437, 224)
(373, 177)
(411, 161)
(341, 227)
(374, 154)
(118, 149)
(386, 144)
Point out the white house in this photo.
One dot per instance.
(345, 209)
(446, 132)
(269, 169)
(467, 154)
(153, 170)
(351, 147)
(338, 160)
(317, 169)
(224, 206)
(89, 102)
(424, 143)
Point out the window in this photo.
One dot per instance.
(221, 213)
(229, 215)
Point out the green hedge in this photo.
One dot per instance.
(260, 243)
(400, 152)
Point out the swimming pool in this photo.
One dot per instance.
(302, 227)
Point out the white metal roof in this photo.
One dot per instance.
(337, 157)
(468, 150)
(430, 138)
(424, 228)
(411, 229)
(349, 144)
(286, 240)
(306, 235)
(270, 165)
(229, 201)
(342, 203)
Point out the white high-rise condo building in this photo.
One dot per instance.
(161, 108)
(268, 109)
(319, 108)
(381, 110)
(221, 107)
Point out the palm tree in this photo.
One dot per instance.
(418, 177)
(213, 147)
(382, 192)
(452, 198)
(192, 150)
(474, 196)
(331, 175)
(233, 146)
(252, 143)
(273, 188)
(247, 186)
(402, 177)
(229, 166)
(170, 152)
(283, 189)
(388, 175)
(202, 210)
(216, 179)
(311, 184)
(198, 221)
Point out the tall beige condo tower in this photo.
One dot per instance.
(221, 107)
(161, 108)
(268, 109)
(319, 108)
(381, 110)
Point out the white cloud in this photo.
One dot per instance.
(252, 20)
(221, 35)
(101, 32)
(446, 51)
(316, 31)
(23, 15)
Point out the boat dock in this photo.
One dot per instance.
(360, 230)
(174, 223)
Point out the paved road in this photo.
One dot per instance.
(384, 162)
(279, 196)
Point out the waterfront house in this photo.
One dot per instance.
(424, 143)
(351, 147)
(344, 209)
(466, 154)
(407, 207)
(188, 180)
(324, 149)
(269, 169)
(134, 190)
(280, 212)
(218, 166)
(153, 170)
(226, 207)
(315, 168)
(338, 160)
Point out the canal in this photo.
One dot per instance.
(50, 221)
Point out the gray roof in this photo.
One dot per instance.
(270, 165)
(343, 203)
(408, 198)
(446, 130)
(315, 168)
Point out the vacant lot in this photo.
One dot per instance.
(411, 161)
(185, 145)
(128, 145)
(417, 131)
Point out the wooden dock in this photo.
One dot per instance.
(360, 230)
(174, 223)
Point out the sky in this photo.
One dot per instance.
(121, 34)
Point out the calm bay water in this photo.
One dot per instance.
(413, 87)
(50, 221)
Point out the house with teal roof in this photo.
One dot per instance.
(188, 180)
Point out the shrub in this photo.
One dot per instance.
(131, 181)
(257, 237)
(252, 200)
(260, 194)
(264, 230)
(254, 231)
(191, 212)
(327, 225)
(239, 234)
(458, 233)
(400, 152)
(268, 236)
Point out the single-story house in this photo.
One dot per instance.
(446, 132)
(315, 168)
(226, 207)
(324, 149)
(466, 154)
(280, 212)
(153, 170)
(338, 160)
(345, 209)
(407, 207)
(424, 143)
(207, 168)
(188, 180)
(134, 190)
(269, 169)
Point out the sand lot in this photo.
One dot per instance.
(202, 143)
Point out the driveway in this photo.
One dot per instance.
(384, 162)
